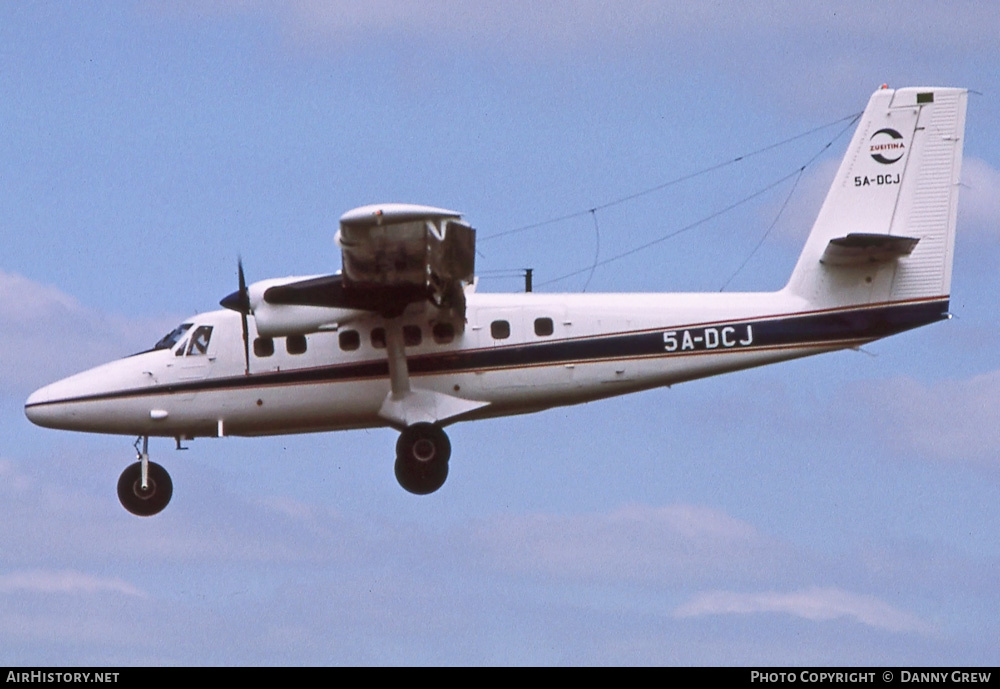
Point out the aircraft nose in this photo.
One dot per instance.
(42, 407)
(57, 405)
(39, 396)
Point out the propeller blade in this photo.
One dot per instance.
(239, 301)
(245, 301)
(246, 343)
(242, 277)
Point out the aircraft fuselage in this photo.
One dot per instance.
(518, 353)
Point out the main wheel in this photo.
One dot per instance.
(422, 454)
(152, 500)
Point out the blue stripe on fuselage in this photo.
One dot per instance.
(812, 329)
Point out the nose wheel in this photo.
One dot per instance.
(422, 454)
(145, 488)
(147, 499)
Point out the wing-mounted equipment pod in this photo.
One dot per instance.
(409, 253)
(393, 255)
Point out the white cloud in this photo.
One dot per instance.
(838, 36)
(578, 22)
(979, 200)
(817, 604)
(67, 511)
(63, 582)
(13, 480)
(957, 420)
(637, 543)
(46, 334)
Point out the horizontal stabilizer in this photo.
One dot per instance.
(860, 248)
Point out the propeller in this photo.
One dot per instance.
(240, 301)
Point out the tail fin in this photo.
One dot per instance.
(886, 231)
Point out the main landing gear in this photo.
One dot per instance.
(423, 449)
(422, 454)
(144, 488)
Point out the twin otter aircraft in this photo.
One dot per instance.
(400, 337)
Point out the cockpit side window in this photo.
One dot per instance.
(198, 344)
(173, 337)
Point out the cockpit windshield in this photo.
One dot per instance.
(173, 337)
(198, 344)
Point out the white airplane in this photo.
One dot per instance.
(401, 338)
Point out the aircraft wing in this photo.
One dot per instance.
(393, 255)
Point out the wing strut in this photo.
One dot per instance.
(403, 405)
(399, 372)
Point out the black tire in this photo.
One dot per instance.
(420, 479)
(414, 441)
(145, 503)
(422, 454)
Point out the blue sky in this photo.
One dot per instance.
(834, 510)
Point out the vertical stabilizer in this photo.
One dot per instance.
(886, 230)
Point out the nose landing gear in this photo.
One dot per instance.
(144, 488)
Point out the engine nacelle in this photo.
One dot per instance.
(281, 319)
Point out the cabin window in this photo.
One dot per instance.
(198, 344)
(263, 347)
(443, 333)
(295, 344)
(378, 338)
(412, 336)
(500, 330)
(350, 340)
(544, 327)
